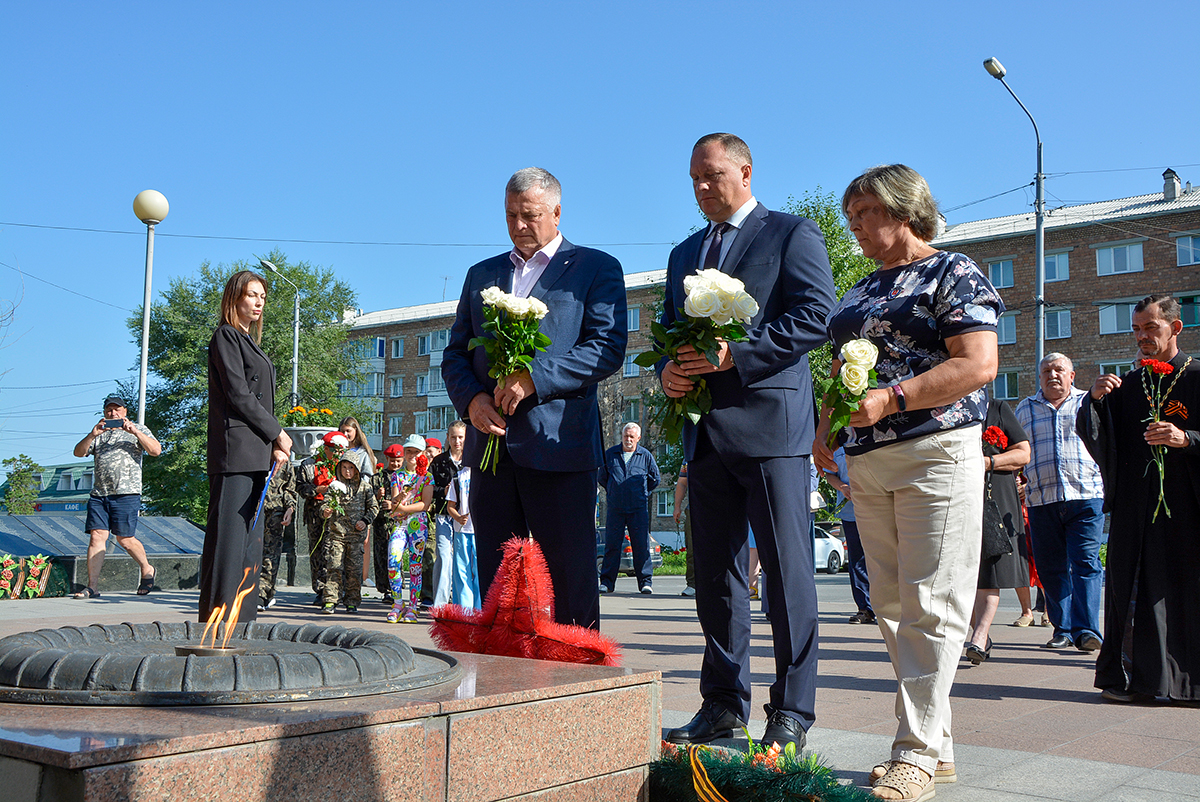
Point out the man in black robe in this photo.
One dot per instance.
(1152, 593)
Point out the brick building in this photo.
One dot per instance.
(403, 348)
(1101, 259)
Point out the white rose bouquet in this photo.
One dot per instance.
(856, 376)
(513, 324)
(717, 307)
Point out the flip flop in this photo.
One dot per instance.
(87, 593)
(146, 585)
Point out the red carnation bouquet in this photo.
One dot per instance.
(995, 438)
(1153, 371)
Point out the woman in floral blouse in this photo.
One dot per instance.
(914, 455)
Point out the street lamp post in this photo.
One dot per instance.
(997, 71)
(151, 208)
(295, 397)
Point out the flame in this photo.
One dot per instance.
(236, 608)
(213, 617)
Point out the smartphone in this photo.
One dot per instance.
(114, 423)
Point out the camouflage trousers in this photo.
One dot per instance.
(318, 547)
(381, 533)
(343, 576)
(272, 553)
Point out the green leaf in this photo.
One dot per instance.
(647, 359)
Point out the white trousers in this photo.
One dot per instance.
(919, 505)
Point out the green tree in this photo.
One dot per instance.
(181, 324)
(845, 259)
(23, 489)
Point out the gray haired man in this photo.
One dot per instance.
(628, 474)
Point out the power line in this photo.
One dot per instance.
(58, 386)
(988, 198)
(64, 289)
(315, 241)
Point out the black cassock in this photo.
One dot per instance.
(1152, 580)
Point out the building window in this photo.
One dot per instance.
(631, 369)
(419, 427)
(377, 424)
(633, 410)
(1004, 387)
(394, 426)
(633, 317)
(1116, 318)
(1119, 259)
(1058, 324)
(1006, 329)
(380, 347)
(379, 386)
(1115, 368)
(397, 348)
(435, 381)
(438, 340)
(665, 503)
(1187, 250)
(1058, 266)
(423, 345)
(422, 385)
(1189, 311)
(1001, 273)
(438, 418)
(397, 387)
(347, 389)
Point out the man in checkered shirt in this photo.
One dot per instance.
(1065, 496)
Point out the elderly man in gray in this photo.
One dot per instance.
(628, 475)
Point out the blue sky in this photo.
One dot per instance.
(400, 122)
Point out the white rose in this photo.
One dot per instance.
(538, 309)
(744, 306)
(517, 307)
(337, 487)
(701, 302)
(492, 296)
(689, 284)
(854, 378)
(728, 283)
(860, 352)
(725, 309)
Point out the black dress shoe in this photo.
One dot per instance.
(782, 729)
(1059, 642)
(711, 723)
(1088, 643)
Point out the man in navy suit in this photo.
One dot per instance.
(546, 417)
(748, 459)
(628, 474)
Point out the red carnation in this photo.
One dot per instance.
(995, 436)
(422, 464)
(1158, 366)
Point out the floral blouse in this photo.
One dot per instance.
(908, 312)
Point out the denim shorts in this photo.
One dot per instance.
(116, 514)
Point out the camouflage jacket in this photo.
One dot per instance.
(117, 457)
(359, 504)
(381, 487)
(281, 493)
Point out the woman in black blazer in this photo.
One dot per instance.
(243, 439)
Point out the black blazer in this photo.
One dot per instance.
(241, 404)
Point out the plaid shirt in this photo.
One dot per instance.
(1061, 468)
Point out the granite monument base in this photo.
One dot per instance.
(508, 729)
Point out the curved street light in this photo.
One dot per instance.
(151, 208)
(295, 397)
(997, 71)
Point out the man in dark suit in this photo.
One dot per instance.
(546, 417)
(748, 459)
(628, 475)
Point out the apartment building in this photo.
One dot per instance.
(1101, 259)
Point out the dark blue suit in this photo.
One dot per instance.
(545, 484)
(748, 459)
(628, 486)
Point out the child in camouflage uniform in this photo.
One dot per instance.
(348, 510)
(381, 533)
(278, 510)
(309, 487)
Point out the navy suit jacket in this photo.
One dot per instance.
(764, 405)
(628, 484)
(558, 429)
(241, 404)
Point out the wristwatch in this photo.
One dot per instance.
(899, 393)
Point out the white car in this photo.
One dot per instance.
(829, 551)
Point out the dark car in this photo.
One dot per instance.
(626, 554)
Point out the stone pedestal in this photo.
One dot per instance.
(509, 729)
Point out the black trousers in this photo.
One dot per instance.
(559, 510)
(232, 556)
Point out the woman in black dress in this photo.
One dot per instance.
(243, 440)
(1006, 570)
